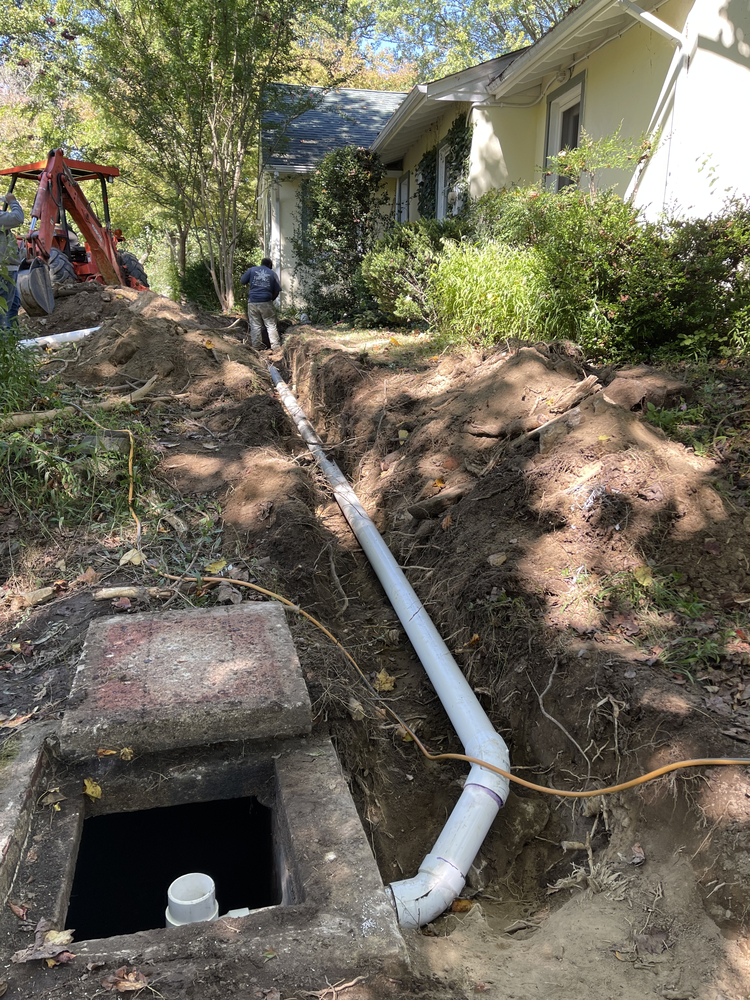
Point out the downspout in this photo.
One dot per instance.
(443, 872)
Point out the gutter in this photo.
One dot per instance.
(443, 872)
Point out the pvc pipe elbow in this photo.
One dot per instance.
(421, 899)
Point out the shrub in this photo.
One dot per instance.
(397, 270)
(340, 216)
(19, 374)
(491, 292)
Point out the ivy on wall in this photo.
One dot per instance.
(458, 138)
(427, 184)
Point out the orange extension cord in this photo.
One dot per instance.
(611, 789)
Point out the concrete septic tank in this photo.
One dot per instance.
(268, 817)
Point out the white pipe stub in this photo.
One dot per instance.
(191, 898)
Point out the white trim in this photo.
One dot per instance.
(557, 108)
(403, 185)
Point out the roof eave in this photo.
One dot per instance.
(521, 67)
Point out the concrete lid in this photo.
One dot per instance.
(186, 678)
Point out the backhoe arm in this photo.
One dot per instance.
(59, 189)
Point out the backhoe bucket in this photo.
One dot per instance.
(35, 288)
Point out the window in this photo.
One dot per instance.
(402, 199)
(564, 112)
(443, 182)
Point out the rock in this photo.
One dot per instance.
(638, 386)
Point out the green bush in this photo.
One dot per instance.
(397, 270)
(617, 285)
(340, 216)
(491, 292)
(19, 374)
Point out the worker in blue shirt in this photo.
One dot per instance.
(263, 288)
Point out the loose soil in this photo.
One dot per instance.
(589, 573)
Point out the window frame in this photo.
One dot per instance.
(402, 203)
(558, 102)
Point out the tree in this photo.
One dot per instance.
(189, 80)
(444, 36)
(340, 217)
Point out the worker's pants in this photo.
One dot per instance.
(259, 313)
(9, 292)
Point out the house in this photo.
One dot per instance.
(680, 68)
(677, 68)
(308, 123)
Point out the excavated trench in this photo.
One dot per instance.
(504, 538)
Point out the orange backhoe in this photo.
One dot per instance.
(54, 254)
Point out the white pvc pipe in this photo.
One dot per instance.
(190, 899)
(443, 872)
(55, 339)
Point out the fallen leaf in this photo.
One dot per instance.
(3, 988)
(17, 721)
(209, 345)
(126, 753)
(384, 681)
(215, 567)
(461, 905)
(403, 435)
(392, 340)
(476, 638)
(439, 484)
(481, 988)
(48, 944)
(125, 982)
(446, 522)
(497, 558)
(20, 911)
(93, 966)
(356, 709)
(51, 797)
(210, 445)
(228, 594)
(405, 736)
(105, 753)
(644, 576)
(122, 604)
(712, 546)
(176, 522)
(269, 954)
(92, 789)
(132, 556)
(89, 577)
(6, 666)
(60, 959)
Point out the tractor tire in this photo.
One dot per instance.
(61, 270)
(133, 267)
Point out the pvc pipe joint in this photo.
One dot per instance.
(191, 899)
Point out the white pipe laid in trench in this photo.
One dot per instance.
(56, 339)
(443, 872)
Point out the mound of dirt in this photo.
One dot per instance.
(87, 304)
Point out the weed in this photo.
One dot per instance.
(19, 374)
